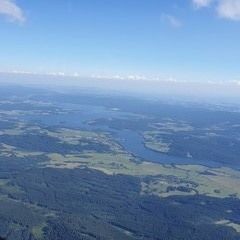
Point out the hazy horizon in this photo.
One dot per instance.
(147, 41)
(206, 92)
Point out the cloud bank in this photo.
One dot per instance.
(12, 11)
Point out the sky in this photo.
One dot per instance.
(176, 40)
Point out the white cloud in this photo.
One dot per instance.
(136, 77)
(11, 10)
(172, 20)
(202, 3)
(229, 9)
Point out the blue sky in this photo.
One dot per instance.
(180, 39)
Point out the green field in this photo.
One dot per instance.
(166, 180)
